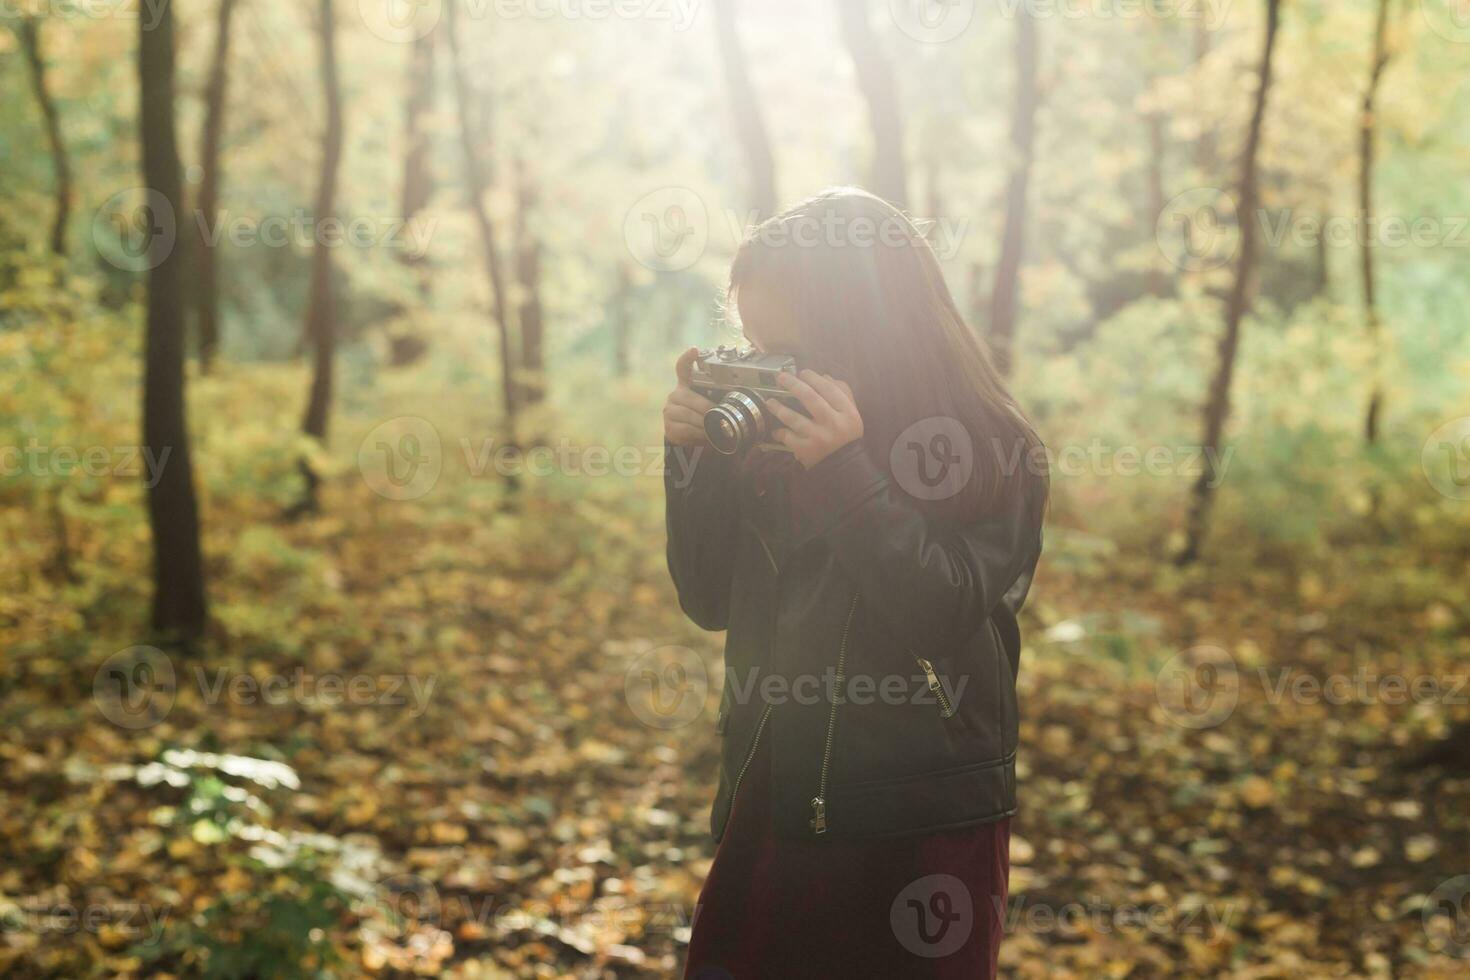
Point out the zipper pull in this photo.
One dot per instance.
(819, 815)
(929, 672)
(946, 709)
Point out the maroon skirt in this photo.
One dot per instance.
(931, 906)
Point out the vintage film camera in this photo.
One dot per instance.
(741, 381)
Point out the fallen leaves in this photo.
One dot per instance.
(543, 830)
(1257, 792)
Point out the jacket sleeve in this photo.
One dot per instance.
(702, 514)
(933, 584)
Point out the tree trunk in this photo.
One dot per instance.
(477, 185)
(321, 310)
(173, 510)
(528, 276)
(418, 177)
(750, 128)
(206, 288)
(61, 557)
(1206, 145)
(1322, 274)
(1157, 280)
(888, 177)
(1452, 753)
(30, 41)
(933, 189)
(979, 301)
(1367, 140)
(1004, 298)
(1217, 408)
(622, 323)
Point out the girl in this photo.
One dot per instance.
(869, 580)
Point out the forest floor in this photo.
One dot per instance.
(481, 795)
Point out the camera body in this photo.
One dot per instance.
(741, 381)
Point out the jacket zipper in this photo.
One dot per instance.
(946, 708)
(764, 547)
(760, 726)
(749, 757)
(819, 802)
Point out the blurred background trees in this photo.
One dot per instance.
(1113, 198)
(297, 256)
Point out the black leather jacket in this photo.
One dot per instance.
(876, 647)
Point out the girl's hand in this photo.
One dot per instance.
(684, 408)
(834, 420)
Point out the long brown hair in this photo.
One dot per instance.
(868, 297)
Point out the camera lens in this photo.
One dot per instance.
(736, 423)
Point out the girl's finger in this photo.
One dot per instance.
(683, 435)
(690, 399)
(792, 419)
(789, 438)
(828, 389)
(814, 403)
(679, 415)
(685, 365)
